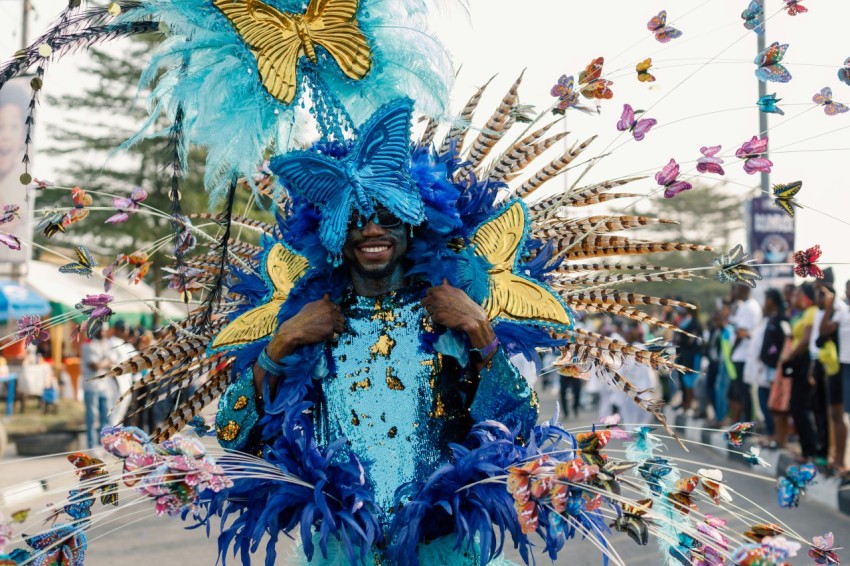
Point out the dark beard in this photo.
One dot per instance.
(379, 273)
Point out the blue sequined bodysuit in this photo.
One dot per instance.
(399, 403)
(399, 396)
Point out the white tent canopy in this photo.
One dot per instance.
(68, 289)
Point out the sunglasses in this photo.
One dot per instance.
(381, 217)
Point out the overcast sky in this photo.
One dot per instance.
(705, 93)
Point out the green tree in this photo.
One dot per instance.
(710, 215)
(107, 112)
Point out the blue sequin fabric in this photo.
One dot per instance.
(399, 403)
(389, 395)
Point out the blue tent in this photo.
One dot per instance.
(17, 301)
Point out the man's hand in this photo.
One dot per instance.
(452, 308)
(315, 322)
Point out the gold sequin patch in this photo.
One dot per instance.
(392, 432)
(365, 384)
(439, 408)
(394, 382)
(355, 420)
(240, 403)
(228, 432)
(383, 347)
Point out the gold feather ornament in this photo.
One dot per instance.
(278, 39)
(284, 268)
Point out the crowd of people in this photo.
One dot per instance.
(782, 362)
(790, 354)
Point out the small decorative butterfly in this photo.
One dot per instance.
(591, 84)
(125, 206)
(751, 17)
(97, 307)
(681, 496)
(663, 32)
(793, 7)
(20, 515)
(830, 107)
(668, 178)
(10, 241)
(186, 240)
(10, 212)
(141, 266)
(575, 471)
(30, 330)
(81, 200)
(844, 72)
(709, 162)
(519, 481)
(93, 471)
(590, 444)
(632, 521)
(793, 484)
(784, 196)
(643, 73)
(688, 551)
(79, 505)
(83, 266)
(752, 154)
(63, 545)
(806, 263)
(823, 550)
(712, 483)
(734, 269)
(762, 530)
(51, 224)
(767, 104)
(638, 128)
(769, 67)
(754, 457)
(563, 91)
(653, 470)
(527, 514)
(734, 435)
(201, 427)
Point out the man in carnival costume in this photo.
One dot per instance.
(359, 353)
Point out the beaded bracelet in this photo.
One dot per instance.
(487, 351)
(269, 365)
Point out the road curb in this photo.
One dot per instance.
(825, 490)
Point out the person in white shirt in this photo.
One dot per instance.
(745, 319)
(836, 320)
(98, 394)
(120, 350)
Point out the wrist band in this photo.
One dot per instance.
(269, 365)
(487, 350)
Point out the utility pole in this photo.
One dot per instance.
(25, 23)
(765, 177)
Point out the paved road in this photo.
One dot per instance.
(140, 539)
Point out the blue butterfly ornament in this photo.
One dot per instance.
(768, 104)
(793, 484)
(374, 171)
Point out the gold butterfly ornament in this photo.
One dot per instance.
(514, 296)
(280, 40)
(284, 268)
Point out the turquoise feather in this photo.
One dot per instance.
(205, 65)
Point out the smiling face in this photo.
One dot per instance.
(374, 255)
